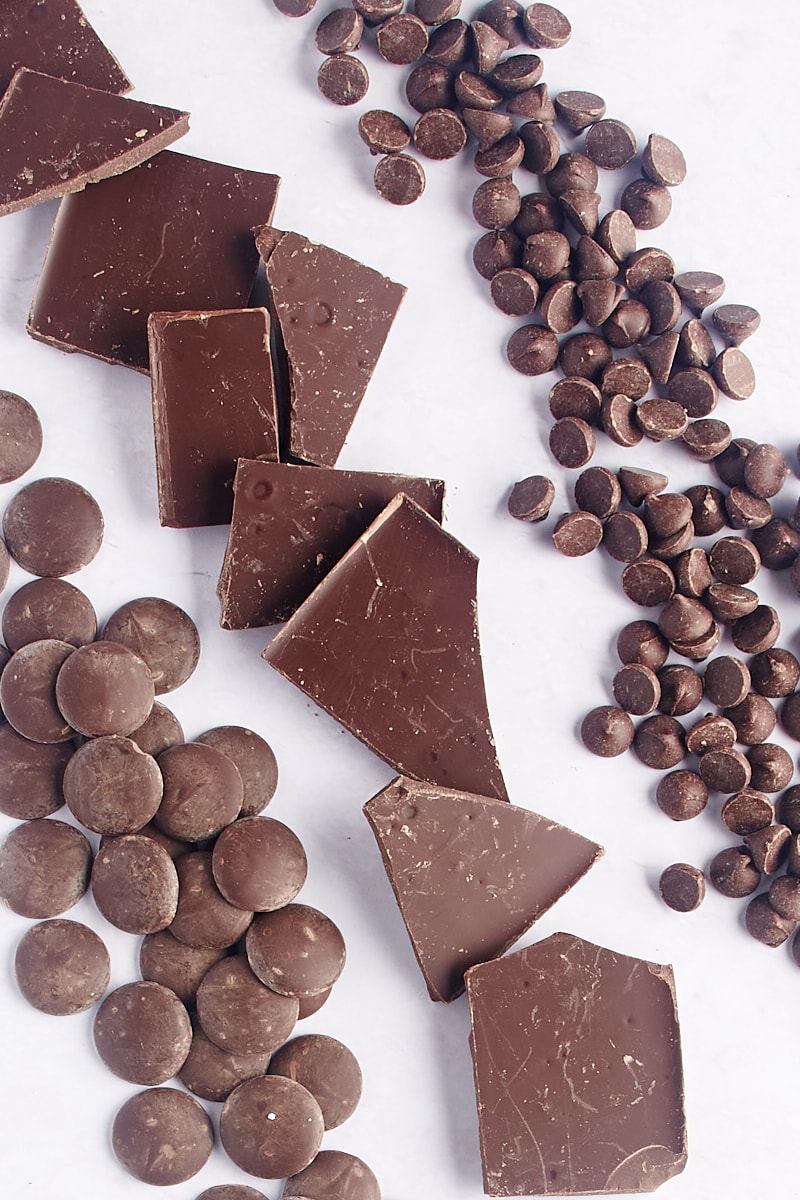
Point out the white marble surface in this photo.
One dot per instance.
(718, 77)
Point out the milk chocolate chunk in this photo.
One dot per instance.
(388, 644)
(493, 869)
(54, 36)
(291, 524)
(334, 1174)
(128, 246)
(333, 315)
(578, 1071)
(62, 967)
(97, 134)
(213, 403)
(155, 1119)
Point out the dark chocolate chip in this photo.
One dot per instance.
(402, 39)
(399, 178)
(647, 204)
(577, 533)
(383, 132)
(343, 79)
(607, 731)
(531, 498)
(682, 887)
(532, 350)
(610, 144)
(578, 110)
(663, 161)
(682, 795)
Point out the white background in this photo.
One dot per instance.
(717, 76)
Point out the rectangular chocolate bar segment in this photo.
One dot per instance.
(334, 315)
(213, 400)
(388, 644)
(291, 524)
(56, 137)
(55, 36)
(173, 234)
(578, 1071)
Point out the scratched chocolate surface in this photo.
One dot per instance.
(54, 36)
(470, 874)
(578, 1071)
(291, 523)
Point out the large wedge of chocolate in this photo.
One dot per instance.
(172, 234)
(470, 874)
(54, 36)
(56, 137)
(388, 645)
(213, 400)
(291, 524)
(578, 1071)
(334, 315)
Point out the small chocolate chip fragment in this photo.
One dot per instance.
(774, 672)
(577, 533)
(772, 767)
(648, 582)
(663, 161)
(402, 39)
(636, 689)
(661, 420)
(546, 27)
(20, 436)
(682, 887)
(681, 689)
(515, 291)
(598, 490)
(343, 79)
(659, 742)
(607, 731)
(642, 642)
(578, 110)
(161, 1117)
(439, 134)
(531, 499)
(625, 537)
(533, 350)
(734, 374)
(726, 770)
(736, 322)
(647, 204)
(733, 873)
(44, 868)
(572, 441)
(757, 631)
(383, 132)
(399, 178)
(495, 204)
(339, 32)
(610, 144)
(62, 967)
(682, 795)
(726, 681)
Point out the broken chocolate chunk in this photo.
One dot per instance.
(213, 401)
(291, 524)
(333, 315)
(97, 134)
(578, 1071)
(469, 873)
(54, 36)
(388, 644)
(174, 233)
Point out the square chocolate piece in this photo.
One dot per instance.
(173, 234)
(54, 36)
(213, 401)
(578, 1071)
(291, 524)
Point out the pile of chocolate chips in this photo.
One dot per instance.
(229, 960)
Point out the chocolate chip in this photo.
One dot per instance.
(597, 490)
(695, 346)
(765, 924)
(733, 873)
(769, 847)
(665, 513)
(254, 760)
(517, 73)
(572, 172)
(642, 642)
(546, 27)
(610, 144)
(616, 233)
(560, 307)
(663, 304)
(166, 960)
(439, 134)
(449, 43)
(376, 11)
(399, 178)
(777, 543)
(745, 812)
(504, 16)
(628, 376)
(607, 731)
(681, 689)
(754, 719)
(327, 1068)
(775, 672)
(62, 967)
(745, 511)
(789, 809)
(734, 373)
(625, 537)
(203, 791)
(48, 609)
(706, 438)
(784, 896)
(599, 298)
(648, 582)
(728, 601)
(698, 289)
(765, 471)
(572, 442)
(495, 204)
(661, 420)
(160, 730)
(500, 159)
(281, 1147)
(212, 1073)
(659, 742)
(627, 325)
(647, 204)
(534, 104)
(546, 254)
(736, 322)
(692, 572)
(258, 864)
(515, 291)
(585, 354)
(725, 770)
(575, 396)
(578, 110)
(756, 631)
(496, 251)
(156, 1118)
(682, 887)
(682, 795)
(541, 147)
(726, 681)
(708, 511)
(473, 91)
(734, 560)
(711, 732)
(636, 689)
(430, 85)
(383, 132)
(532, 350)
(637, 484)
(339, 32)
(683, 619)
(402, 39)
(112, 787)
(582, 210)
(531, 498)
(437, 12)
(20, 436)
(772, 767)
(660, 355)
(663, 161)
(142, 1033)
(135, 884)
(577, 533)
(343, 79)
(53, 527)
(488, 46)
(695, 390)
(699, 648)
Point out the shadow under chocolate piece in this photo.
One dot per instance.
(54, 36)
(213, 402)
(333, 315)
(174, 233)
(291, 524)
(388, 644)
(56, 137)
(578, 1071)
(470, 874)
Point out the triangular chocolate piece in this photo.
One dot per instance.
(291, 524)
(333, 315)
(388, 645)
(639, 483)
(55, 36)
(97, 134)
(470, 874)
(213, 403)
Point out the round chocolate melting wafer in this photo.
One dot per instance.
(62, 967)
(44, 868)
(31, 775)
(284, 1143)
(296, 950)
(165, 960)
(335, 1175)
(104, 688)
(160, 730)
(112, 786)
(203, 791)
(28, 691)
(142, 1033)
(48, 609)
(212, 1073)
(327, 1068)
(163, 636)
(239, 1013)
(204, 918)
(258, 863)
(135, 884)
(254, 760)
(20, 436)
(53, 527)
(161, 1117)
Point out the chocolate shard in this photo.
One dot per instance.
(54, 36)
(388, 645)
(578, 1071)
(174, 233)
(469, 873)
(291, 524)
(333, 315)
(213, 400)
(97, 134)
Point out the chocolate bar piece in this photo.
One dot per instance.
(172, 234)
(333, 315)
(96, 134)
(578, 1071)
(213, 400)
(54, 36)
(469, 873)
(291, 524)
(388, 644)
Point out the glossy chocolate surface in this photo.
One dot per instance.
(388, 644)
(291, 524)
